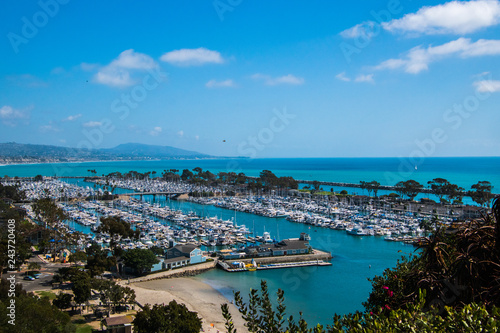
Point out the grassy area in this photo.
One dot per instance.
(84, 329)
(324, 193)
(49, 294)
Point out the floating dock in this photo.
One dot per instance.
(241, 267)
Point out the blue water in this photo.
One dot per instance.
(463, 171)
(317, 291)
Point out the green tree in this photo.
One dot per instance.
(260, 315)
(48, 212)
(409, 188)
(98, 260)
(316, 185)
(63, 300)
(373, 186)
(157, 250)
(34, 266)
(117, 228)
(81, 287)
(141, 260)
(171, 318)
(33, 314)
(77, 256)
(186, 175)
(481, 193)
(438, 187)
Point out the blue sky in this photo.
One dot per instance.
(253, 78)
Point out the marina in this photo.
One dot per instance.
(355, 258)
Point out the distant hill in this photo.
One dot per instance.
(142, 150)
(12, 152)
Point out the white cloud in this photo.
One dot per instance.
(58, 71)
(92, 124)
(180, 133)
(360, 78)
(286, 79)
(85, 66)
(114, 77)
(156, 131)
(11, 116)
(192, 57)
(49, 128)
(216, 84)
(365, 29)
(133, 60)
(487, 86)
(364, 78)
(197, 137)
(72, 117)
(342, 77)
(418, 58)
(455, 17)
(117, 73)
(8, 112)
(27, 80)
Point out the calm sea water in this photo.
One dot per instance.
(317, 291)
(463, 171)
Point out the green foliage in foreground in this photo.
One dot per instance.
(171, 318)
(32, 313)
(261, 317)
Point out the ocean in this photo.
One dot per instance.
(319, 292)
(463, 171)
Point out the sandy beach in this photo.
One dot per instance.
(196, 295)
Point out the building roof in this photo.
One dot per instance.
(286, 245)
(176, 259)
(185, 248)
(116, 321)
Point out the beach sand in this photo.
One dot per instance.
(196, 295)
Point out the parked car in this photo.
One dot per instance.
(29, 278)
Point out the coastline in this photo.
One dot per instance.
(131, 160)
(198, 296)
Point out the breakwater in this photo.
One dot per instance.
(173, 273)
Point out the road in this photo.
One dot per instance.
(44, 282)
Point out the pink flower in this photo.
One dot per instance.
(385, 287)
(390, 293)
(387, 307)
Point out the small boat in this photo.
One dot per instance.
(357, 232)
